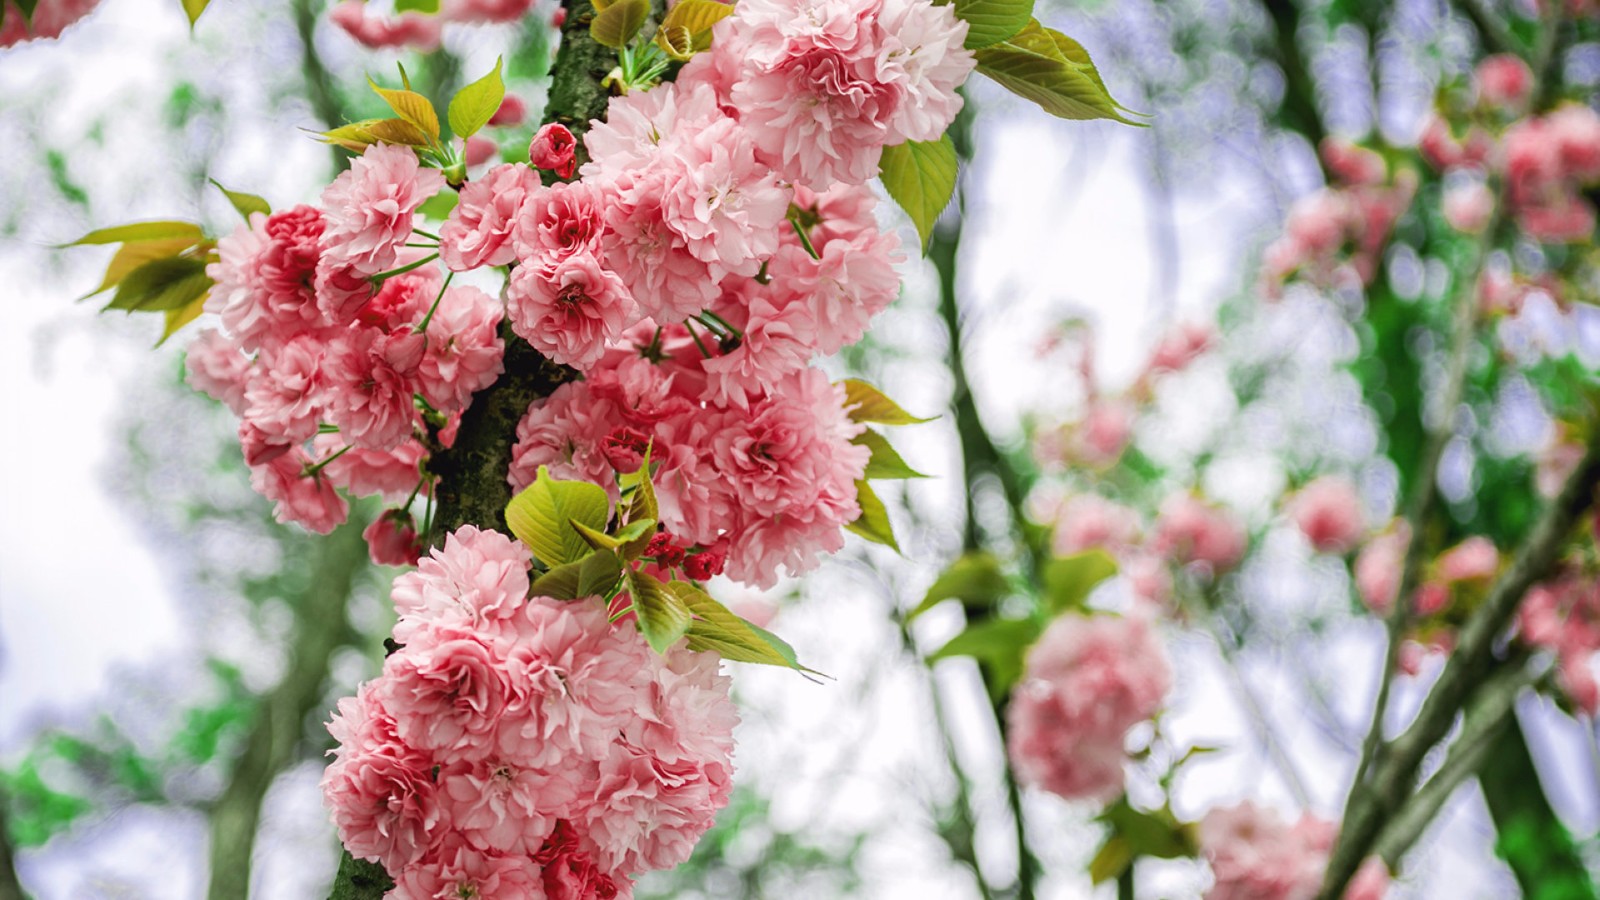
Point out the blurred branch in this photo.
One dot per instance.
(271, 743)
(1496, 37)
(1482, 725)
(324, 101)
(1471, 662)
(10, 885)
(1299, 107)
(1532, 840)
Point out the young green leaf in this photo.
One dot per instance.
(866, 403)
(474, 105)
(1068, 580)
(921, 177)
(616, 25)
(141, 231)
(355, 136)
(663, 617)
(1000, 644)
(183, 315)
(134, 254)
(1156, 833)
(686, 30)
(873, 523)
(244, 203)
(885, 461)
(397, 131)
(193, 9)
(992, 21)
(594, 575)
(1053, 71)
(426, 7)
(410, 106)
(975, 579)
(543, 514)
(1111, 860)
(716, 628)
(162, 284)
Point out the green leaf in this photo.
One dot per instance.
(921, 177)
(183, 315)
(410, 106)
(244, 203)
(592, 576)
(992, 21)
(631, 539)
(1068, 580)
(193, 9)
(866, 403)
(640, 490)
(686, 30)
(1111, 860)
(134, 254)
(1000, 644)
(474, 105)
(426, 7)
(544, 513)
(717, 629)
(1157, 833)
(975, 579)
(873, 523)
(1053, 71)
(884, 462)
(141, 231)
(397, 131)
(663, 617)
(615, 25)
(162, 284)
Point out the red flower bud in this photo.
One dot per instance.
(554, 148)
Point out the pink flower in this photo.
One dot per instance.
(1189, 530)
(408, 29)
(381, 791)
(446, 689)
(285, 391)
(391, 474)
(1088, 680)
(478, 232)
(1087, 521)
(1180, 347)
(370, 206)
(501, 805)
(464, 352)
(554, 149)
(264, 278)
(1474, 559)
(475, 581)
(1504, 82)
(1328, 512)
(1352, 164)
(371, 378)
(924, 53)
(667, 281)
(558, 222)
(569, 311)
(218, 368)
(485, 11)
(298, 497)
(454, 869)
(1255, 855)
(1378, 569)
(49, 19)
(392, 539)
(512, 111)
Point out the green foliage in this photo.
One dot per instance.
(1134, 833)
(663, 615)
(426, 7)
(162, 284)
(1052, 70)
(244, 203)
(595, 575)
(141, 231)
(206, 728)
(1000, 645)
(866, 403)
(543, 516)
(474, 105)
(616, 24)
(873, 523)
(716, 628)
(921, 177)
(193, 9)
(1068, 580)
(992, 21)
(65, 185)
(411, 107)
(439, 205)
(885, 462)
(1529, 835)
(975, 579)
(686, 30)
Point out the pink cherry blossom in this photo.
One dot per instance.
(369, 207)
(1088, 680)
(298, 497)
(218, 368)
(1328, 512)
(381, 791)
(569, 311)
(464, 353)
(478, 578)
(407, 29)
(371, 378)
(1378, 569)
(554, 149)
(1504, 81)
(478, 232)
(49, 19)
(1190, 530)
(558, 222)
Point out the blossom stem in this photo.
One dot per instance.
(381, 277)
(697, 342)
(315, 469)
(425, 234)
(423, 325)
(721, 324)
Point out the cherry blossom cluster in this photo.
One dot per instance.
(1088, 680)
(420, 30)
(1256, 855)
(1563, 616)
(48, 19)
(519, 746)
(343, 376)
